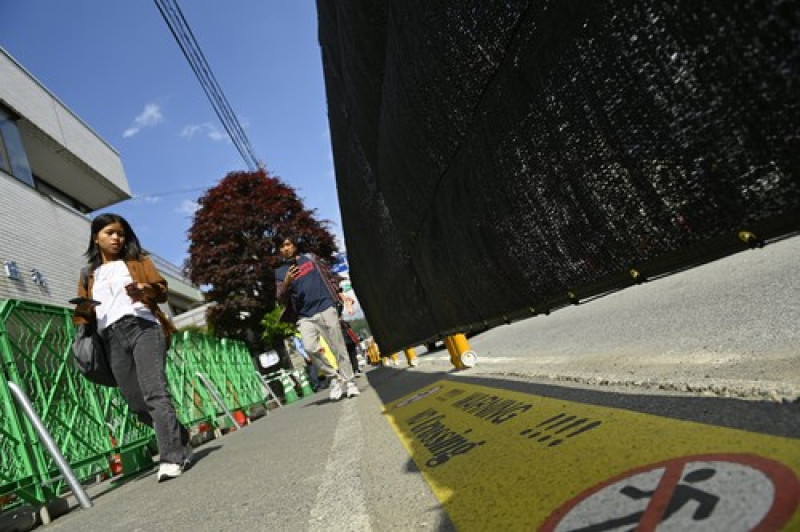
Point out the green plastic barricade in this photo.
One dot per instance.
(91, 424)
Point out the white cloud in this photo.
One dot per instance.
(150, 116)
(206, 128)
(189, 131)
(215, 134)
(188, 207)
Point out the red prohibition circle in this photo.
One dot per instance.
(787, 489)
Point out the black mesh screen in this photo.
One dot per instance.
(493, 156)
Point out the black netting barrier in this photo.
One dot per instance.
(492, 157)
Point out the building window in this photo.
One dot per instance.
(13, 159)
(4, 163)
(56, 194)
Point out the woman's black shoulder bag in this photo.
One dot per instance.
(88, 349)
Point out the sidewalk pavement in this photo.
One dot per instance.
(311, 465)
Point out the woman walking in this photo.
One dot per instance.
(126, 283)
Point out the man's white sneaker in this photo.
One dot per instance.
(167, 471)
(352, 389)
(335, 392)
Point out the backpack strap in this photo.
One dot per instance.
(326, 278)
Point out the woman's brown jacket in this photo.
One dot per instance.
(142, 271)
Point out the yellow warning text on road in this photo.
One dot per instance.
(502, 460)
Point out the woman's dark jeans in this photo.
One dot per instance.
(137, 355)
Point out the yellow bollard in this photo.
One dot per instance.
(373, 353)
(461, 355)
(466, 356)
(411, 357)
(394, 359)
(451, 348)
(460, 343)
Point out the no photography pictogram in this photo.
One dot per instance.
(715, 492)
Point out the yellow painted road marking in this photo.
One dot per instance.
(503, 460)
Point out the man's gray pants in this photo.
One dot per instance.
(326, 324)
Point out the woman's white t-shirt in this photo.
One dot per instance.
(109, 289)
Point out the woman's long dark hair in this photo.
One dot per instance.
(131, 248)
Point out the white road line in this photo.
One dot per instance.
(341, 503)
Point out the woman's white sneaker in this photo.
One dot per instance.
(167, 471)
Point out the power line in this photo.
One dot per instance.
(173, 192)
(172, 15)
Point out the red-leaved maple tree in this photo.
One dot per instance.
(233, 248)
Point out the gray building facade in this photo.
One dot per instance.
(54, 172)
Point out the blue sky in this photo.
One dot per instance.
(117, 66)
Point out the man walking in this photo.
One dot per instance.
(301, 282)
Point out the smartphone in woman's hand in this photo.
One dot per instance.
(82, 300)
(133, 291)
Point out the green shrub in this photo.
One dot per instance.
(275, 331)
